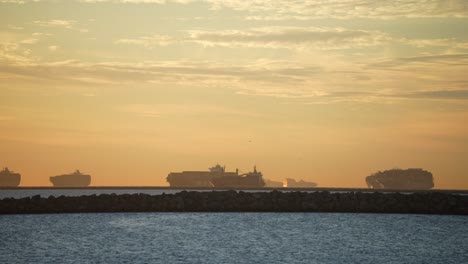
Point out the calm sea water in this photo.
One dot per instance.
(233, 238)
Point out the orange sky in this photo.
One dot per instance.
(129, 91)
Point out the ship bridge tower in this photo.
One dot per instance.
(218, 169)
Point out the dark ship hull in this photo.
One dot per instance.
(12, 180)
(196, 179)
(238, 182)
(71, 180)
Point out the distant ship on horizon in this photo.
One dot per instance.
(292, 183)
(247, 180)
(75, 179)
(9, 178)
(217, 177)
(413, 178)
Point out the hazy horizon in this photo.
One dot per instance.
(325, 91)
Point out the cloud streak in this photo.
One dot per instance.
(345, 9)
(161, 72)
(316, 9)
(328, 76)
(286, 37)
(147, 42)
(420, 78)
(439, 94)
(56, 23)
(457, 60)
(161, 110)
(320, 38)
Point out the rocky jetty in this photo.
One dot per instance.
(410, 179)
(239, 201)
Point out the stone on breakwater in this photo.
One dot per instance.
(233, 201)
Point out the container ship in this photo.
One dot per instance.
(415, 179)
(75, 179)
(216, 177)
(292, 183)
(9, 178)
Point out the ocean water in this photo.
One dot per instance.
(233, 238)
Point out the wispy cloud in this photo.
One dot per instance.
(290, 37)
(12, 54)
(57, 23)
(271, 37)
(452, 43)
(37, 34)
(29, 41)
(163, 110)
(15, 27)
(147, 42)
(325, 79)
(405, 78)
(17, 1)
(368, 97)
(341, 9)
(460, 60)
(439, 94)
(315, 9)
(162, 71)
(321, 38)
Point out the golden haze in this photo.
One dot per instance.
(129, 91)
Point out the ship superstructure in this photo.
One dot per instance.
(9, 178)
(247, 180)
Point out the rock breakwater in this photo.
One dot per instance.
(239, 201)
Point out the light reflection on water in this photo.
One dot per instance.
(233, 238)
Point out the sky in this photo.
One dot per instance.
(324, 91)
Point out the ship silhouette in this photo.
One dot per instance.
(9, 178)
(217, 177)
(417, 179)
(75, 179)
(292, 183)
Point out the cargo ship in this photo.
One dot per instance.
(9, 178)
(292, 183)
(247, 180)
(415, 179)
(216, 177)
(75, 179)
